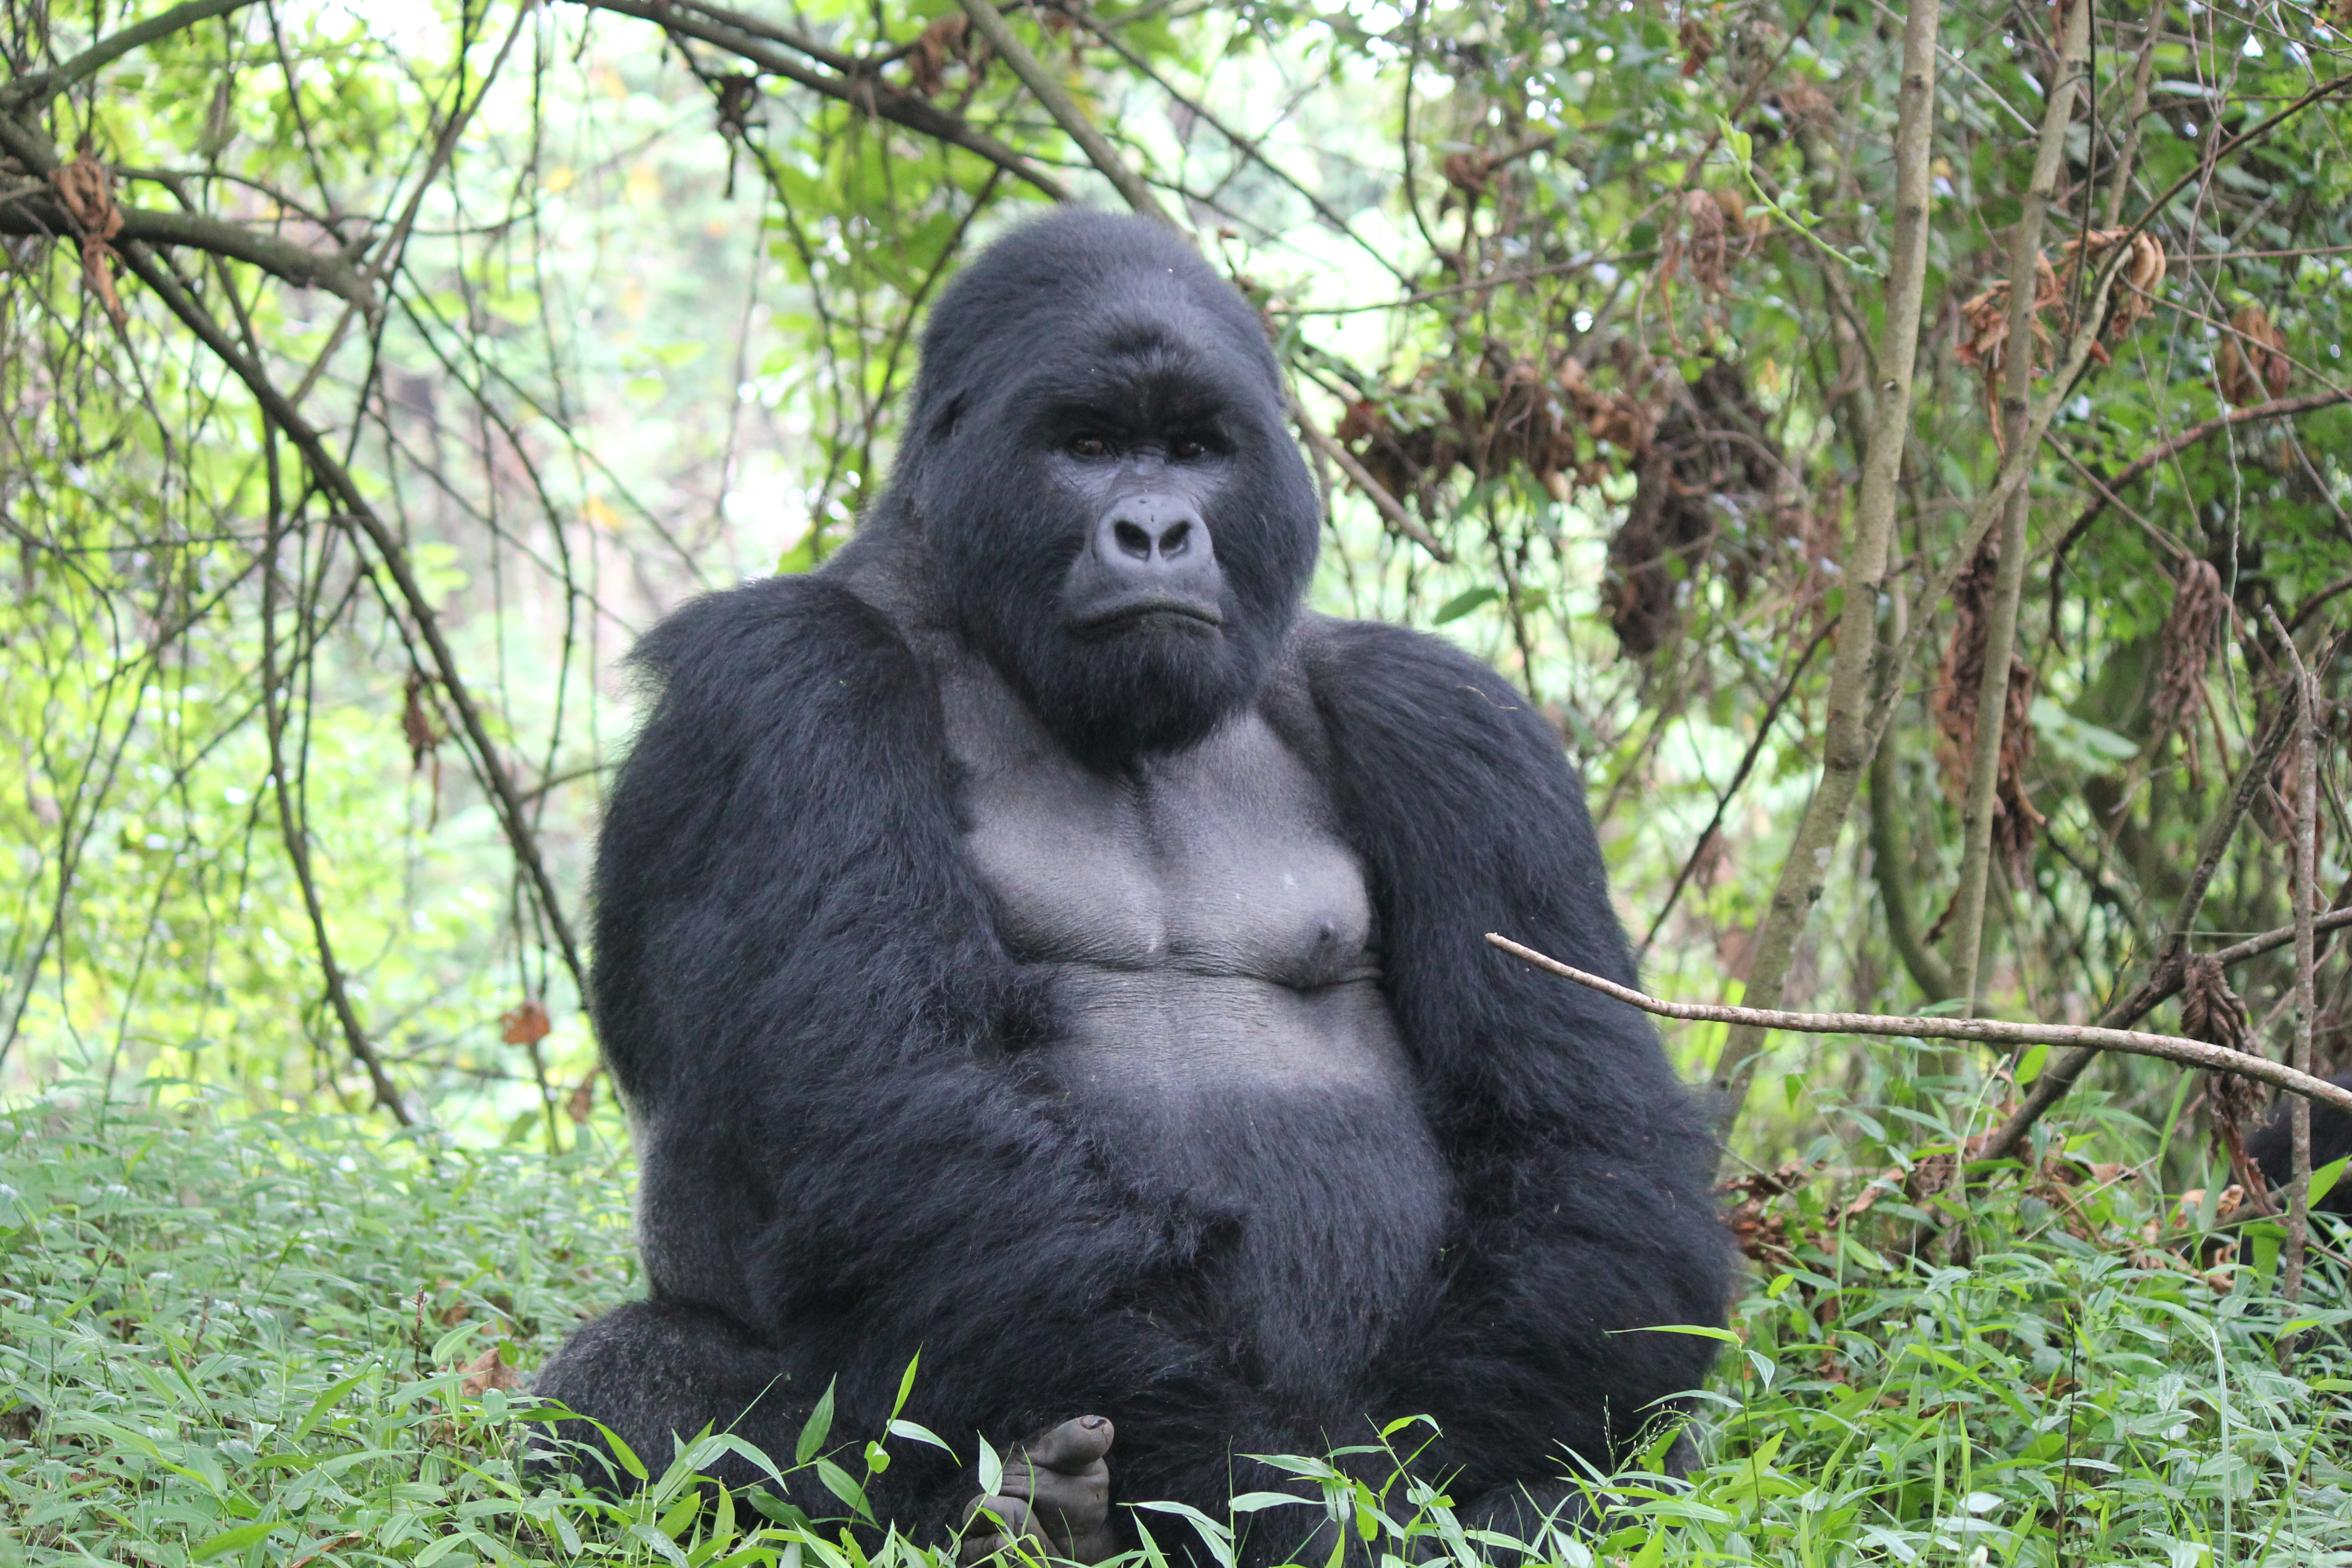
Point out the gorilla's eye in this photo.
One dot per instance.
(1088, 447)
(1186, 447)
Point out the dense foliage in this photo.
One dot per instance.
(371, 375)
(246, 1341)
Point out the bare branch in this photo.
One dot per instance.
(2169, 1047)
(41, 213)
(38, 86)
(1064, 110)
(337, 481)
(1387, 505)
(862, 92)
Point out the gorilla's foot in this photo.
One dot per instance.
(1055, 1492)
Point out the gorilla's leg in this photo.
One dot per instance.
(1055, 1491)
(653, 1370)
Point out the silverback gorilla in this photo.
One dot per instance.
(1035, 940)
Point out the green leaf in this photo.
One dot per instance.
(2324, 1180)
(907, 1386)
(2031, 1066)
(235, 1539)
(841, 1484)
(1460, 604)
(815, 1431)
(915, 1432)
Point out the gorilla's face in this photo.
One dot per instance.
(1101, 464)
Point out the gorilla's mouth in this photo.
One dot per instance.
(1147, 609)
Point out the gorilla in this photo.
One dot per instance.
(1036, 941)
(2271, 1146)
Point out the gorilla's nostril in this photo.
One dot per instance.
(1131, 540)
(1177, 539)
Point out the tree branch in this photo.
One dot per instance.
(2165, 979)
(2169, 1047)
(1847, 737)
(861, 91)
(41, 213)
(1982, 802)
(1064, 110)
(337, 481)
(39, 87)
(2277, 408)
(1387, 505)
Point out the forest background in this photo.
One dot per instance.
(374, 373)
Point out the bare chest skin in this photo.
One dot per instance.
(1205, 928)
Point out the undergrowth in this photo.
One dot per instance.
(283, 1341)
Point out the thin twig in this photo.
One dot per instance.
(2166, 978)
(860, 92)
(1064, 110)
(337, 480)
(2277, 408)
(2304, 713)
(2170, 1047)
(1387, 505)
(35, 87)
(1738, 777)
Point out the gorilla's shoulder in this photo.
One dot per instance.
(800, 667)
(1380, 685)
(772, 636)
(774, 625)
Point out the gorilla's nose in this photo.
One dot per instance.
(1151, 553)
(1152, 538)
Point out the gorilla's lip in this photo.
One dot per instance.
(1126, 610)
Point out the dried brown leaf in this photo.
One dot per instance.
(527, 1024)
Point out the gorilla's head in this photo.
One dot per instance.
(1098, 457)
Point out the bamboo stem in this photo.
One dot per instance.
(1847, 740)
(2008, 575)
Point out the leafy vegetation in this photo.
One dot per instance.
(371, 375)
(257, 1339)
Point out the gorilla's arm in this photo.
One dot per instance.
(815, 1031)
(1584, 1171)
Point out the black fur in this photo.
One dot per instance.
(2271, 1146)
(848, 1153)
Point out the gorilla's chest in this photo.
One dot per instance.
(1204, 923)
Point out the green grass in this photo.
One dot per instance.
(212, 1349)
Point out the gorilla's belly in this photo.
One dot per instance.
(1173, 1037)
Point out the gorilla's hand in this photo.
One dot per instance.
(1055, 1492)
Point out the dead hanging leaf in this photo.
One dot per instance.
(85, 190)
(1701, 244)
(1711, 491)
(1466, 173)
(2251, 366)
(582, 1101)
(416, 725)
(1698, 45)
(2191, 634)
(1958, 690)
(1803, 103)
(934, 47)
(1984, 339)
(485, 1372)
(2132, 300)
(526, 1026)
(2212, 1012)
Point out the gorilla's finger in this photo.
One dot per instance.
(1009, 1515)
(1072, 1445)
